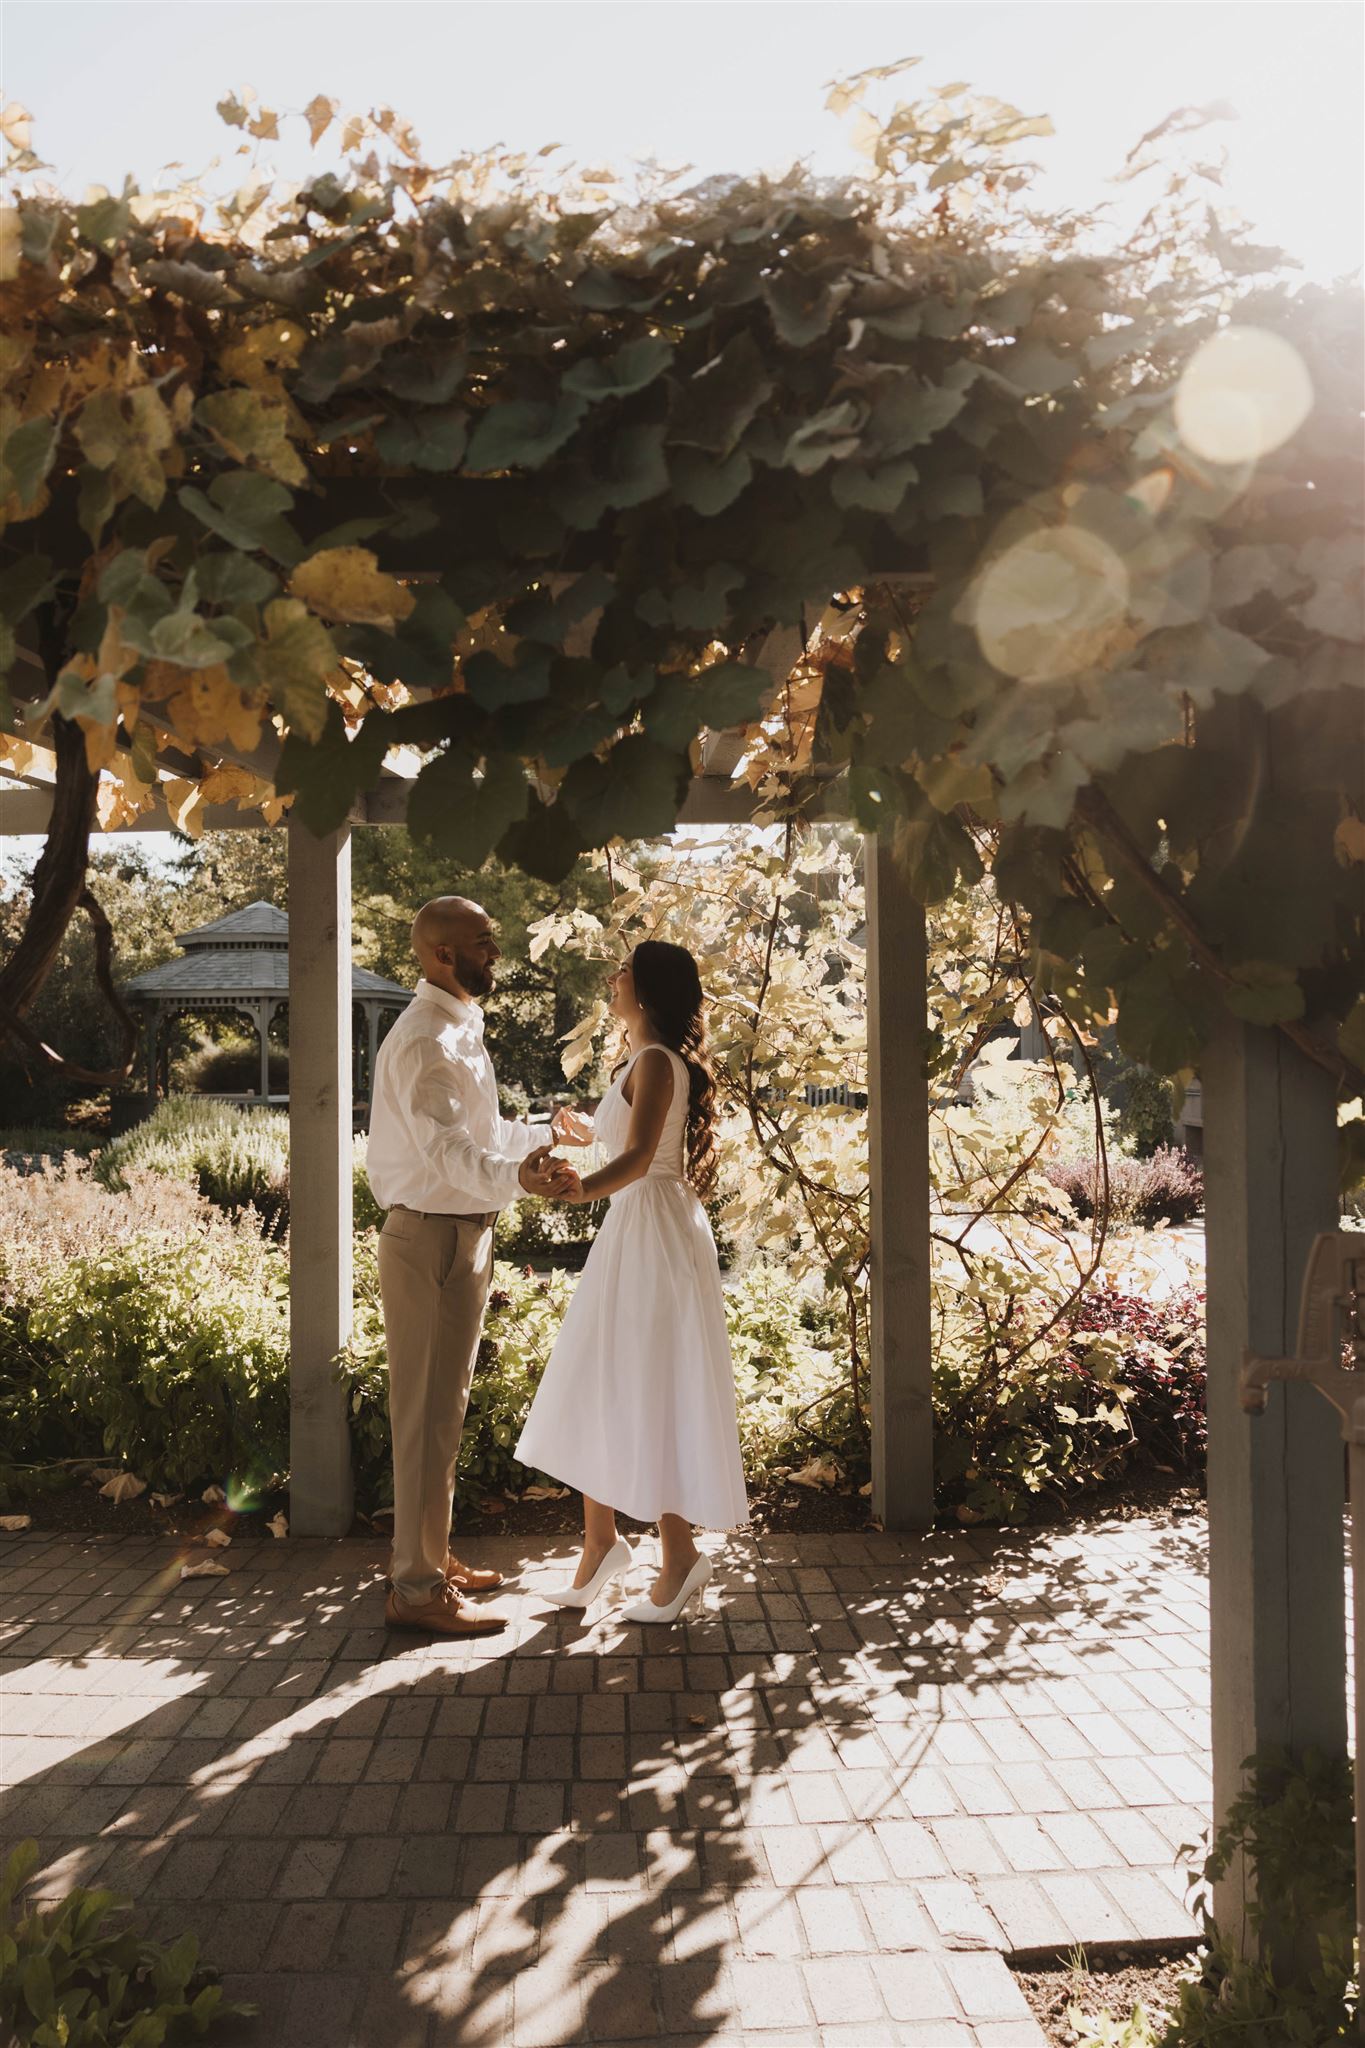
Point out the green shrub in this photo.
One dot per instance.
(79, 1976)
(237, 1158)
(173, 1357)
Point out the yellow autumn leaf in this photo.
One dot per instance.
(101, 742)
(115, 656)
(185, 802)
(230, 783)
(129, 433)
(16, 125)
(348, 583)
(319, 113)
(1349, 841)
(11, 243)
(207, 706)
(354, 133)
(274, 341)
(253, 427)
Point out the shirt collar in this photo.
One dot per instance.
(467, 1014)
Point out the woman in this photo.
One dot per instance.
(637, 1406)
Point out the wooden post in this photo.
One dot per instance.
(263, 1029)
(320, 1221)
(898, 1165)
(1275, 1480)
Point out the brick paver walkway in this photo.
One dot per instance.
(824, 1813)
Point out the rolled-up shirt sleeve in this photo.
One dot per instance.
(438, 1113)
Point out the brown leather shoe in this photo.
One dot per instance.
(470, 1578)
(442, 1615)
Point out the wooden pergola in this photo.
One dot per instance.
(1274, 1481)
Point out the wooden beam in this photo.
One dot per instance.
(24, 813)
(320, 1203)
(1276, 1482)
(898, 1164)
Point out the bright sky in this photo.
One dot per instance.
(127, 85)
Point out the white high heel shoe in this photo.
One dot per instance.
(614, 1565)
(696, 1583)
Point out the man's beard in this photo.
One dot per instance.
(476, 976)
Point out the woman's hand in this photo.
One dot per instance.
(569, 1127)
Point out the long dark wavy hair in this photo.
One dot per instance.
(668, 990)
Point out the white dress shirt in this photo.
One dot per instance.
(438, 1141)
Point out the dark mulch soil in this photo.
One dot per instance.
(1111, 1984)
(77, 1508)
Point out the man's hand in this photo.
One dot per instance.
(551, 1179)
(568, 1127)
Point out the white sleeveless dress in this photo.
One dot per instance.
(637, 1405)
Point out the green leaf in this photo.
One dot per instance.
(433, 440)
(877, 797)
(188, 641)
(464, 813)
(704, 606)
(909, 413)
(1034, 368)
(425, 379)
(522, 433)
(247, 510)
(867, 490)
(630, 369)
(104, 221)
(713, 408)
(325, 775)
(682, 706)
(39, 1994)
(28, 580)
(95, 501)
(627, 471)
(829, 436)
(801, 307)
(492, 683)
(233, 578)
(293, 662)
(708, 486)
(1351, 1036)
(1267, 993)
(28, 456)
(636, 793)
(545, 843)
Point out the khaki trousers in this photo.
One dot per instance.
(434, 1274)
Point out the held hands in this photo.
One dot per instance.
(569, 1127)
(551, 1179)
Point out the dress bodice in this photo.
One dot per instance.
(612, 1122)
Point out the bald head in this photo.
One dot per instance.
(455, 945)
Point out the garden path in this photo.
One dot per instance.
(824, 1813)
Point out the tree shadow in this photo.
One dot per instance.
(570, 1830)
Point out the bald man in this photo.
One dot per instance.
(443, 1161)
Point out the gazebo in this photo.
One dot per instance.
(240, 963)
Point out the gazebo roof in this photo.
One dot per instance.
(259, 925)
(245, 954)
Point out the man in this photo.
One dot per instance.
(443, 1161)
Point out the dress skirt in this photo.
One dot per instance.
(637, 1405)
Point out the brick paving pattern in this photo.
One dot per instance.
(825, 1812)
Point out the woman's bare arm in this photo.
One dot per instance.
(652, 1085)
